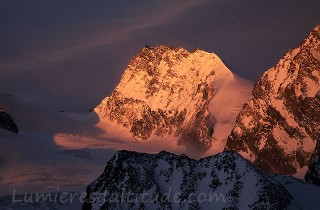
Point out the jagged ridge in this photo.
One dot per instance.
(278, 127)
(239, 184)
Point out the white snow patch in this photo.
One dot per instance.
(308, 144)
(316, 55)
(225, 107)
(312, 87)
(288, 144)
(295, 52)
(301, 172)
(246, 120)
(279, 105)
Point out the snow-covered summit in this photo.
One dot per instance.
(166, 91)
(156, 75)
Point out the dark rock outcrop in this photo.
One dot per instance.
(7, 123)
(313, 173)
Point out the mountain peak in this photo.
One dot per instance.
(165, 91)
(278, 127)
(315, 32)
(162, 48)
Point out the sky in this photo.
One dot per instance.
(69, 55)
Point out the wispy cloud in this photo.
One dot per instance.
(100, 33)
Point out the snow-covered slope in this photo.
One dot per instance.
(279, 126)
(31, 118)
(166, 181)
(62, 150)
(166, 91)
(31, 161)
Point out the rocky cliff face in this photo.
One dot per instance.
(279, 126)
(166, 181)
(313, 173)
(7, 123)
(165, 91)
